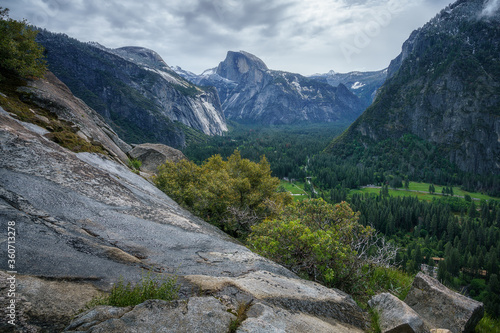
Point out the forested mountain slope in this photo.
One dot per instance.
(444, 89)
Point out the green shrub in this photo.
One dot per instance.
(148, 288)
(233, 194)
(375, 322)
(389, 279)
(488, 325)
(134, 164)
(322, 242)
(19, 53)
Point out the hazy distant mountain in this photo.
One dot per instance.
(138, 94)
(444, 88)
(362, 84)
(252, 93)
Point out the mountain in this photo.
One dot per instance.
(362, 84)
(252, 93)
(444, 89)
(137, 93)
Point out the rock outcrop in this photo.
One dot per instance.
(84, 221)
(395, 316)
(291, 294)
(442, 308)
(198, 314)
(50, 93)
(153, 155)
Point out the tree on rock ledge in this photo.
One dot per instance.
(19, 52)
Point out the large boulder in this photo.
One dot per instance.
(295, 295)
(265, 318)
(152, 155)
(440, 307)
(395, 316)
(197, 314)
(49, 304)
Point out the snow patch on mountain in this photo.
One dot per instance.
(358, 85)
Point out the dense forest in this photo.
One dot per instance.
(458, 238)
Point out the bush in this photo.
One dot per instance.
(134, 164)
(148, 288)
(233, 194)
(324, 243)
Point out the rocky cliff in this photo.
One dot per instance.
(362, 84)
(444, 88)
(135, 91)
(250, 92)
(83, 220)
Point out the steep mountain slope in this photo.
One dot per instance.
(362, 84)
(250, 92)
(84, 222)
(135, 90)
(443, 88)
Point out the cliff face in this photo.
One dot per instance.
(135, 91)
(362, 84)
(252, 93)
(444, 87)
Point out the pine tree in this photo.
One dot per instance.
(19, 52)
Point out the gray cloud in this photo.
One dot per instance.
(292, 35)
(491, 7)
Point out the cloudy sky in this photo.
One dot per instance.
(301, 36)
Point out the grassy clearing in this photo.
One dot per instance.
(397, 193)
(296, 189)
(424, 187)
(456, 191)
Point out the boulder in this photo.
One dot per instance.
(153, 155)
(442, 308)
(262, 318)
(291, 294)
(197, 314)
(45, 304)
(395, 316)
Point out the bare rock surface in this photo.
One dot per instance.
(198, 314)
(53, 95)
(442, 308)
(84, 221)
(295, 295)
(153, 155)
(264, 318)
(395, 316)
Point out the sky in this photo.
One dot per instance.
(299, 36)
